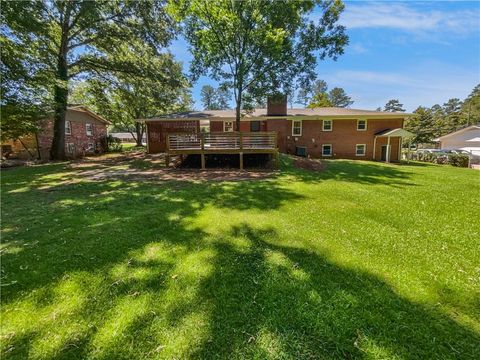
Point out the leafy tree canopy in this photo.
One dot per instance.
(321, 97)
(339, 98)
(214, 99)
(394, 106)
(259, 46)
(63, 40)
(439, 120)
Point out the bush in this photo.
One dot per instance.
(460, 160)
(111, 143)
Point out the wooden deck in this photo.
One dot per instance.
(222, 143)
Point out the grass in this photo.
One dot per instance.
(362, 260)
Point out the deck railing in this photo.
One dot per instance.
(222, 141)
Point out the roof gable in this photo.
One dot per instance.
(471, 127)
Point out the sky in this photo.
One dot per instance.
(421, 53)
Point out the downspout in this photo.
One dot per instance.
(388, 150)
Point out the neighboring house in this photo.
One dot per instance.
(85, 133)
(318, 133)
(467, 139)
(126, 137)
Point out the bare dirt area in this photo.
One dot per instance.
(141, 166)
(308, 164)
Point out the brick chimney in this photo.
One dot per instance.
(277, 105)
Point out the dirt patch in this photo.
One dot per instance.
(308, 164)
(140, 166)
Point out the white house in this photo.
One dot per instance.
(465, 139)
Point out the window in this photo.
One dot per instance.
(228, 126)
(70, 148)
(361, 125)
(89, 128)
(327, 125)
(296, 128)
(254, 126)
(68, 128)
(360, 149)
(327, 150)
(90, 147)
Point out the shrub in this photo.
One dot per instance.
(460, 160)
(114, 144)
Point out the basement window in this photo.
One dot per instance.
(326, 150)
(360, 149)
(70, 148)
(90, 147)
(296, 128)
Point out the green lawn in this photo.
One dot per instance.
(362, 260)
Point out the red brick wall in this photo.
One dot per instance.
(158, 130)
(343, 137)
(78, 137)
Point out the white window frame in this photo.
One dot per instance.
(225, 127)
(293, 127)
(366, 126)
(364, 149)
(70, 148)
(331, 150)
(323, 125)
(89, 132)
(69, 127)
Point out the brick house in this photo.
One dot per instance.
(328, 132)
(85, 133)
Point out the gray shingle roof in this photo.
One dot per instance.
(262, 113)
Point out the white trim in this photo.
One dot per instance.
(364, 149)
(323, 125)
(69, 127)
(231, 129)
(331, 150)
(366, 124)
(86, 129)
(293, 127)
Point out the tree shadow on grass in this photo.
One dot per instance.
(89, 225)
(276, 301)
(117, 250)
(363, 172)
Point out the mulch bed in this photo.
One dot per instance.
(308, 164)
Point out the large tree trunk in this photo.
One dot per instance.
(61, 96)
(238, 107)
(139, 129)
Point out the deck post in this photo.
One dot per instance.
(241, 160)
(241, 141)
(277, 160)
(167, 159)
(202, 157)
(202, 141)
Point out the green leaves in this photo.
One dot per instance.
(57, 41)
(259, 47)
